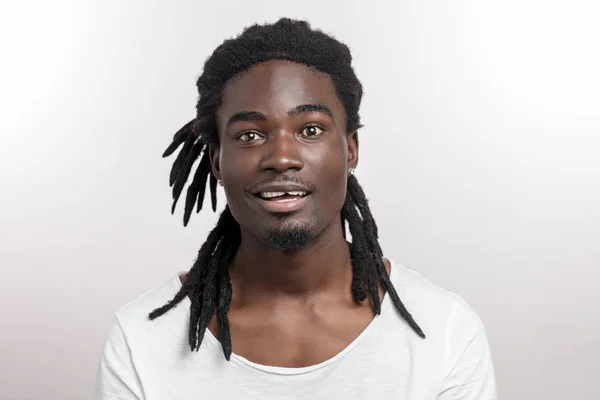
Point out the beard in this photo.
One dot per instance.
(289, 238)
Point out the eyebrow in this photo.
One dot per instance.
(258, 116)
(308, 108)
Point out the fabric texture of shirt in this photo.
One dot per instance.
(151, 360)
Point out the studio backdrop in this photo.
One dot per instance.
(479, 155)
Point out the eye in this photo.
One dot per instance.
(249, 136)
(312, 131)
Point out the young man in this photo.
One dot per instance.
(278, 304)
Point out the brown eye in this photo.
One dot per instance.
(312, 131)
(249, 136)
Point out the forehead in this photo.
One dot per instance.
(276, 86)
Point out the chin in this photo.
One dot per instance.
(290, 238)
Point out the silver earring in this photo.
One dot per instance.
(220, 183)
(351, 171)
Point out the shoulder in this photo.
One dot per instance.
(134, 315)
(438, 311)
(455, 335)
(134, 343)
(133, 332)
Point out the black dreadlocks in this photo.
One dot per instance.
(208, 283)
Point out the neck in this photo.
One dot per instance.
(261, 273)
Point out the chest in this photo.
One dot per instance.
(372, 369)
(295, 339)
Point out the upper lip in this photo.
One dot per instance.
(281, 187)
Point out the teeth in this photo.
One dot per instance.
(269, 195)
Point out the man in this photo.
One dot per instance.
(278, 304)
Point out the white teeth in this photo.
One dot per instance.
(269, 195)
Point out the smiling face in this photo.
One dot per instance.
(283, 153)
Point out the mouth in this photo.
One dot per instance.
(282, 201)
(282, 196)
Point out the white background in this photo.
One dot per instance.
(479, 156)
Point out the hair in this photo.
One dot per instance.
(208, 284)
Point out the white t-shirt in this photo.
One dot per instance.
(151, 360)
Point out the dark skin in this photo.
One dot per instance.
(291, 308)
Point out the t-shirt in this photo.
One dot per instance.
(152, 360)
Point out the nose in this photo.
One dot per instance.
(282, 152)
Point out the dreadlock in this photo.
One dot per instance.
(208, 284)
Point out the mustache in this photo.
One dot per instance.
(284, 178)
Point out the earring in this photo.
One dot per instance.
(351, 171)
(220, 182)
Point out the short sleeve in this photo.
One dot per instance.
(468, 360)
(116, 378)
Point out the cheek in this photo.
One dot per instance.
(331, 174)
(236, 174)
(237, 167)
(333, 191)
(334, 160)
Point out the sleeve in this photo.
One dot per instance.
(468, 358)
(116, 378)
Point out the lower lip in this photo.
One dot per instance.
(282, 206)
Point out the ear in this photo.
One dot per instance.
(352, 140)
(215, 164)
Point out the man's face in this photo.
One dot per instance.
(284, 153)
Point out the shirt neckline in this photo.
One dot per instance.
(235, 358)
